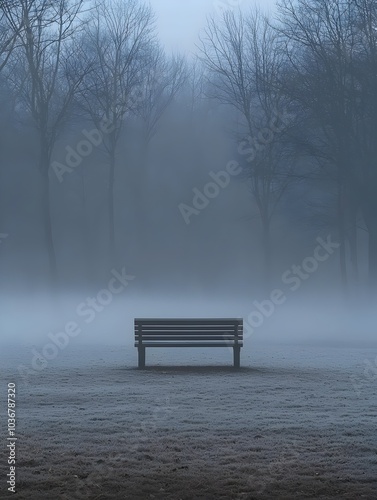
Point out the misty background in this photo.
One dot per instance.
(116, 114)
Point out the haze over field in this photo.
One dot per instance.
(188, 159)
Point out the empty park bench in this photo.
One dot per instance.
(218, 332)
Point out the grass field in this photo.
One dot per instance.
(294, 422)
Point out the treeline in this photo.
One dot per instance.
(88, 83)
(316, 64)
(100, 62)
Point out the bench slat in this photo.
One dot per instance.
(190, 333)
(187, 337)
(190, 344)
(190, 322)
(156, 328)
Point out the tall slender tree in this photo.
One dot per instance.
(45, 81)
(163, 78)
(119, 37)
(332, 53)
(8, 32)
(243, 60)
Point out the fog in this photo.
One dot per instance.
(179, 24)
(212, 161)
(209, 199)
(304, 319)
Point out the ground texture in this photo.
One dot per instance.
(293, 423)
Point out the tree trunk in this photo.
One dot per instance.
(143, 184)
(141, 195)
(86, 232)
(47, 223)
(342, 239)
(353, 247)
(267, 251)
(373, 256)
(44, 165)
(369, 210)
(111, 209)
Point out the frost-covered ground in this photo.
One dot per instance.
(295, 422)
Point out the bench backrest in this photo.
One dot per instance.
(216, 331)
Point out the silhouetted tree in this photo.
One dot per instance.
(243, 59)
(119, 37)
(332, 52)
(45, 81)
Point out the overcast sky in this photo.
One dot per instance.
(179, 21)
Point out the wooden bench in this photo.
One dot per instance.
(212, 332)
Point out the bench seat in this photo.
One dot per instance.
(188, 332)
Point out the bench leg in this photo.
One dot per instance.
(141, 351)
(236, 356)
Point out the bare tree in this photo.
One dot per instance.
(43, 78)
(242, 57)
(365, 78)
(196, 86)
(119, 38)
(162, 80)
(8, 31)
(332, 53)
